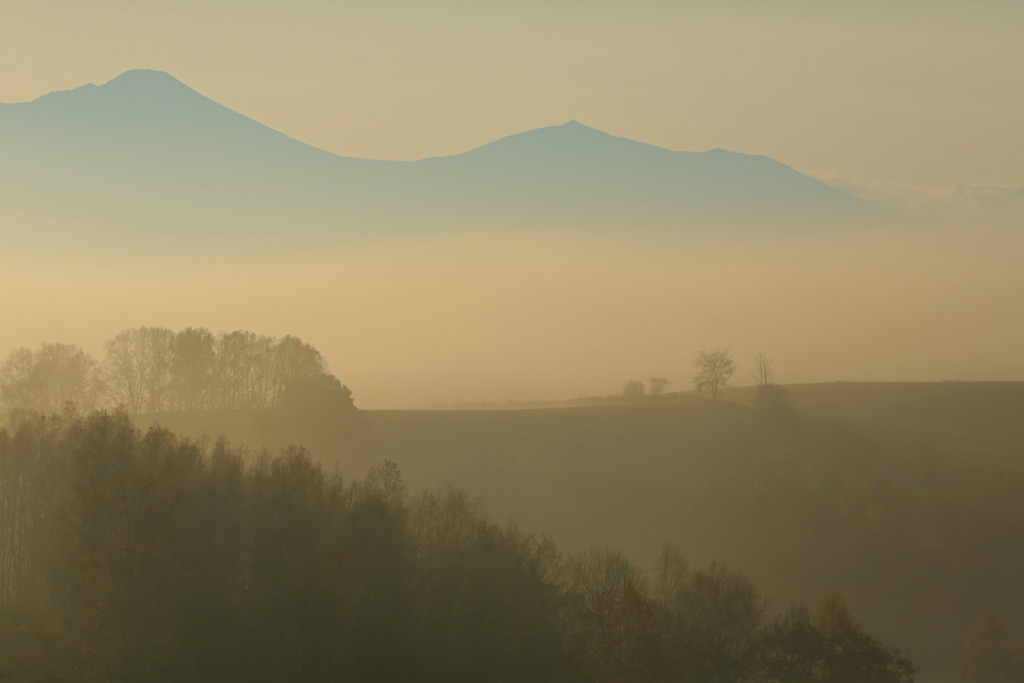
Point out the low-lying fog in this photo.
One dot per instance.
(463, 317)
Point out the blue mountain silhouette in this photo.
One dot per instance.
(146, 151)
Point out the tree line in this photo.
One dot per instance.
(131, 556)
(715, 368)
(154, 369)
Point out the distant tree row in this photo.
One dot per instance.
(144, 557)
(715, 367)
(636, 388)
(153, 369)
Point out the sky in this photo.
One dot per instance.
(456, 318)
(922, 95)
(922, 101)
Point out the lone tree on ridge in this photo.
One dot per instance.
(714, 368)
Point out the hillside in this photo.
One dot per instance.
(888, 493)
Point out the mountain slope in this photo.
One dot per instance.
(585, 171)
(147, 153)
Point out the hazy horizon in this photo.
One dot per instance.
(868, 98)
(461, 317)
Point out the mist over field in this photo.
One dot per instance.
(522, 342)
(470, 317)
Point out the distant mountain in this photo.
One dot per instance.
(146, 155)
(576, 170)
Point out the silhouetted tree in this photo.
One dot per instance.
(193, 367)
(157, 348)
(829, 647)
(137, 368)
(774, 402)
(714, 368)
(321, 397)
(657, 385)
(714, 617)
(613, 622)
(245, 370)
(764, 374)
(633, 389)
(294, 362)
(47, 377)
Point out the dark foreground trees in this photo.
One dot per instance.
(143, 557)
(828, 647)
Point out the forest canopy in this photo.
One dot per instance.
(141, 556)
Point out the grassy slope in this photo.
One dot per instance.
(802, 513)
(858, 499)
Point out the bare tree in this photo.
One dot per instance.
(47, 377)
(157, 351)
(192, 368)
(244, 369)
(671, 577)
(773, 401)
(153, 369)
(656, 386)
(16, 379)
(608, 610)
(764, 375)
(714, 368)
(137, 368)
(124, 370)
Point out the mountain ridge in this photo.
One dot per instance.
(146, 150)
(144, 79)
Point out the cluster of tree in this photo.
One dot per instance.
(47, 377)
(636, 389)
(129, 556)
(773, 402)
(153, 369)
(715, 367)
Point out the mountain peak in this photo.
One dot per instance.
(136, 82)
(575, 126)
(145, 81)
(137, 76)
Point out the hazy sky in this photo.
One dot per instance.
(489, 317)
(918, 93)
(909, 97)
